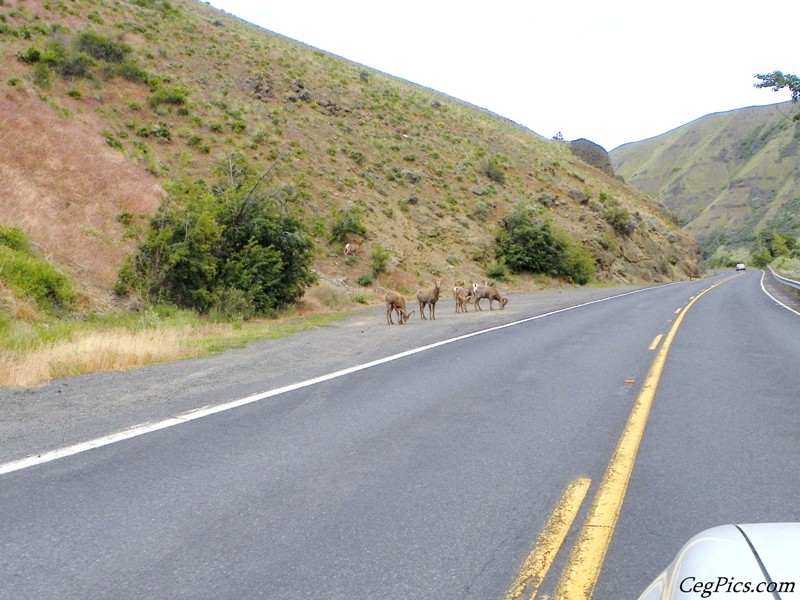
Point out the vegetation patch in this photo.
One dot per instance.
(227, 248)
(31, 275)
(537, 246)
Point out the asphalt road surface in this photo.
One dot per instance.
(435, 472)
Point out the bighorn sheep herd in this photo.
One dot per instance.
(462, 295)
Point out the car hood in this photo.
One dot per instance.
(747, 553)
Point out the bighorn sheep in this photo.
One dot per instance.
(350, 248)
(484, 291)
(396, 302)
(429, 298)
(462, 296)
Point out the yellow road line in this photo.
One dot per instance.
(587, 557)
(551, 538)
(656, 340)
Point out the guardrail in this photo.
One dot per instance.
(794, 286)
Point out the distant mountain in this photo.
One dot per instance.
(726, 176)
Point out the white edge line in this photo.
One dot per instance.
(764, 289)
(199, 413)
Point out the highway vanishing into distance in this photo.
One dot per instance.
(566, 447)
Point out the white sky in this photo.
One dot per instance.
(612, 72)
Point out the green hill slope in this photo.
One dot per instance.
(726, 176)
(106, 102)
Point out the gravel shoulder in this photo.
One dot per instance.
(78, 409)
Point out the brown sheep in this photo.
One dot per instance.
(429, 298)
(484, 291)
(462, 296)
(396, 302)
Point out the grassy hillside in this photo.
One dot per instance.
(106, 102)
(726, 176)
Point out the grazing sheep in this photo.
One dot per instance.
(480, 292)
(396, 302)
(429, 298)
(462, 296)
(350, 249)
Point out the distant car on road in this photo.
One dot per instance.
(741, 267)
(759, 559)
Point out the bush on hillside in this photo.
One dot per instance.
(100, 47)
(76, 65)
(620, 219)
(32, 275)
(493, 169)
(229, 247)
(346, 222)
(15, 239)
(174, 95)
(525, 244)
(88, 52)
(379, 259)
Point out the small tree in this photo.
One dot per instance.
(778, 81)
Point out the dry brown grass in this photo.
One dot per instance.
(101, 349)
(90, 352)
(67, 189)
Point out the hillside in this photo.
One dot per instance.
(92, 142)
(726, 176)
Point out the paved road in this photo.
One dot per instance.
(428, 476)
(723, 440)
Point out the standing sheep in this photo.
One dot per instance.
(429, 298)
(462, 296)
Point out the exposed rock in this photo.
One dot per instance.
(593, 154)
(260, 86)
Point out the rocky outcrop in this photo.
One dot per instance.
(593, 154)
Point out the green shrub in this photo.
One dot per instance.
(54, 53)
(619, 219)
(346, 222)
(539, 247)
(481, 210)
(364, 280)
(380, 259)
(497, 270)
(31, 275)
(492, 168)
(229, 248)
(128, 70)
(176, 96)
(30, 56)
(100, 47)
(42, 75)
(14, 239)
(76, 65)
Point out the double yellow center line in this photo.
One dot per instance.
(582, 571)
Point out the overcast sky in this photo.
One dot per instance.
(613, 72)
